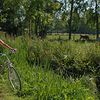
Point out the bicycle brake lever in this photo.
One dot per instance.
(13, 51)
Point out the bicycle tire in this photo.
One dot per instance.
(14, 79)
(2, 69)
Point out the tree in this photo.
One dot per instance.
(97, 21)
(40, 13)
(11, 20)
(70, 20)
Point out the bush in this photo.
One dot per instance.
(68, 58)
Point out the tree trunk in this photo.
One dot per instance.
(65, 4)
(70, 21)
(97, 23)
(42, 30)
(36, 28)
(29, 28)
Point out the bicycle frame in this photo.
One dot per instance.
(8, 62)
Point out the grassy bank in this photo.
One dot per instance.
(39, 63)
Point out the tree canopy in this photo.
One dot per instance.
(37, 17)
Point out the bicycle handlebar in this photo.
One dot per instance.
(11, 52)
(2, 54)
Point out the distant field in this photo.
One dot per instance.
(65, 36)
(56, 36)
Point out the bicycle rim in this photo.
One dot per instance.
(14, 79)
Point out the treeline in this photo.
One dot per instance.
(37, 17)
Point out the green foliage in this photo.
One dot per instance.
(76, 57)
(42, 84)
(49, 15)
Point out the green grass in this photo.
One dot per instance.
(5, 91)
(43, 83)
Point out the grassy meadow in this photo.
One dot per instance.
(54, 69)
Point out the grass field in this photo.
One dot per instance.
(53, 70)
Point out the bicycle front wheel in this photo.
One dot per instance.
(14, 79)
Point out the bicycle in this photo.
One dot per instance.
(13, 76)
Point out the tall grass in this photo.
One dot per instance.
(35, 60)
(78, 58)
